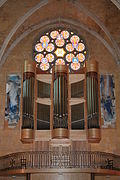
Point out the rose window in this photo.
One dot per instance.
(60, 47)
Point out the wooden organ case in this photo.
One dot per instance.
(61, 105)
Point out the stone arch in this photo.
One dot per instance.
(53, 21)
(75, 4)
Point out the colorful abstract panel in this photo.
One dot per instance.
(107, 92)
(12, 106)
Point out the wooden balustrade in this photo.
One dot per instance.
(80, 160)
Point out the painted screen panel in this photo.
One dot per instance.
(12, 105)
(107, 93)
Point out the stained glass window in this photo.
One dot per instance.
(60, 46)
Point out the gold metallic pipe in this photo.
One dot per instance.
(54, 97)
(33, 95)
(29, 98)
(63, 95)
(57, 96)
(92, 101)
(24, 97)
(55, 100)
(65, 85)
(66, 96)
(88, 95)
(25, 100)
(60, 96)
(60, 110)
(94, 95)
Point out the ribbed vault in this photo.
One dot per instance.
(86, 20)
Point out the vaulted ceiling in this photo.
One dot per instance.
(97, 19)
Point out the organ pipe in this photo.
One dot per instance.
(27, 132)
(93, 101)
(60, 101)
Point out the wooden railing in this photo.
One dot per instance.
(60, 160)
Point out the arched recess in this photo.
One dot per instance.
(80, 8)
(19, 23)
(53, 23)
(101, 25)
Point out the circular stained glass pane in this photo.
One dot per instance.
(60, 46)
(69, 47)
(75, 66)
(75, 60)
(60, 62)
(50, 57)
(38, 47)
(74, 39)
(81, 57)
(44, 67)
(50, 47)
(65, 34)
(80, 47)
(75, 44)
(44, 39)
(44, 44)
(44, 60)
(38, 57)
(60, 42)
(69, 57)
(54, 34)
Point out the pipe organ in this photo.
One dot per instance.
(60, 102)
(60, 114)
(93, 111)
(27, 132)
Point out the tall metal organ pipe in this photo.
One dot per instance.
(93, 101)
(27, 132)
(60, 102)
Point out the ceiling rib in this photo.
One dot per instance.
(45, 2)
(116, 3)
(2, 2)
(101, 25)
(52, 23)
(19, 23)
